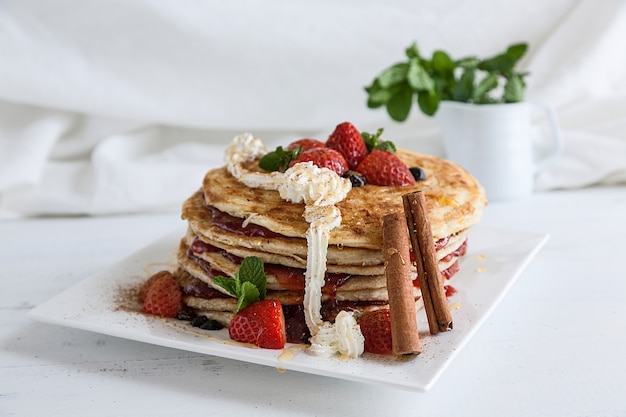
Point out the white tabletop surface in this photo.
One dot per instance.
(553, 347)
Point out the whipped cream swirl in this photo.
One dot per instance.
(319, 189)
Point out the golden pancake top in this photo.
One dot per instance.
(454, 201)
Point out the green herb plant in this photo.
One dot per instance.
(468, 80)
(249, 283)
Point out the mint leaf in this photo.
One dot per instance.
(505, 62)
(468, 80)
(252, 271)
(399, 105)
(443, 64)
(248, 295)
(464, 89)
(278, 160)
(428, 103)
(394, 75)
(249, 283)
(484, 87)
(514, 89)
(231, 285)
(418, 78)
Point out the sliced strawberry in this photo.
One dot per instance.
(323, 158)
(261, 323)
(347, 140)
(376, 328)
(161, 295)
(305, 144)
(385, 168)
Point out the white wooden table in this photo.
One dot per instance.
(555, 346)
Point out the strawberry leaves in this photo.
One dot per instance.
(249, 283)
(373, 141)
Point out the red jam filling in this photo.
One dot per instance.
(291, 279)
(235, 225)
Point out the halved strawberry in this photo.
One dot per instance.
(376, 328)
(161, 295)
(305, 144)
(347, 140)
(261, 323)
(385, 168)
(323, 158)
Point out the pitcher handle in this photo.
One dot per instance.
(557, 139)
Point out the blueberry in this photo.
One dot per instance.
(205, 323)
(356, 179)
(186, 315)
(418, 173)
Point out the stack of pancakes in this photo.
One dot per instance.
(228, 221)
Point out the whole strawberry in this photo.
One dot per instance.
(382, 167)
(323, 158)
(376, 329)
(305, 144)
(261, 323)
(347, 140)
(161, 295)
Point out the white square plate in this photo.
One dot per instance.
(494, 260)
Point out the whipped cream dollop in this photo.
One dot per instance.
(319, 189)
(343, 337)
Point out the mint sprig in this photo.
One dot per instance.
(279, 159)
(469, 80)
(248, 284)
(373, 141)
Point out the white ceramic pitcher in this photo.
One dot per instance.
(494, 143)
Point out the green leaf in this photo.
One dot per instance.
(442, 64)
(399, 105)
(231, 285)
(375, 142)
(249, 283)
(412, 51)
(393, 75)
(253, 271)
(278, 160)
(418, 78)
(464, 89)
(505, 62)
(248, 295)
(428, 103)
(483, 88)
(377, 96)
(514, 89)
(469, 62)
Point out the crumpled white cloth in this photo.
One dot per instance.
(122, 106)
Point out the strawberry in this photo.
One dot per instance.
(323, 158)
(161, 295)
(347, 140)
(376, 328)
(261, 323)
(305, 144)
(385, 168)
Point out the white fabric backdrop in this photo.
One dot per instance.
(121, 106)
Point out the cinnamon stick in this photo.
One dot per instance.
(428, 274)
(402, 310)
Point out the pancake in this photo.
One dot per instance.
(454, 202)
(229, 221)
